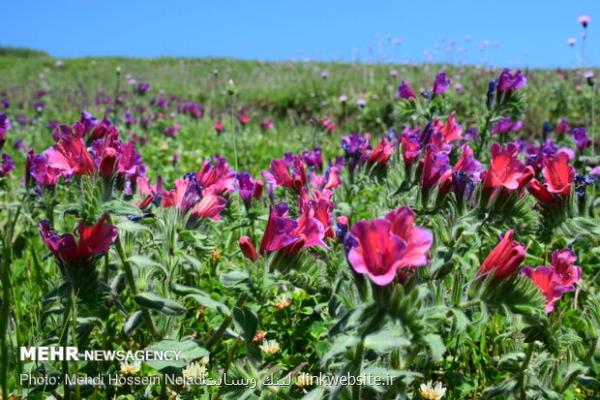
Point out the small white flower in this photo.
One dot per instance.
(194, 370)
(430, 391)
(270, 347)
(130, 367)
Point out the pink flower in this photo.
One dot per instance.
(381, 247)
(210, 206)
(216, 175)
(554, 280)
(544, 278)
(289, 235)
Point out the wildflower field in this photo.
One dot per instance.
(298, 230)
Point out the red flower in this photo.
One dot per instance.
(506, 170)
(69, 154)
(247, 248)
(93, 240)
(381, 154)
(558, 174)
(450, 130)
(540, 192)
(381, 247)
(545, 279)
(505, 258)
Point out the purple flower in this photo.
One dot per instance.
(508, 82)
(22, 119)
(436, 163)
(7, 165)
(5, 125)
(172, 130)
(405, 91)
(581, 138)
(143, 87)
(441, 84)
(248, 187)
(471, 133)
(314, 159)
(193, 109)
(5, 103)
(89, 121)
(462, 185)
(356, 149)
(506, 125)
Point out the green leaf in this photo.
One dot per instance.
(436, 346)
(234, 278)
(187, 351)
(386, 340)
(157, 303)
(204, 300)
(133, 323)
(245, 322)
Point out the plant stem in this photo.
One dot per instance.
(358, 358)
(132, 285)
(523, 368)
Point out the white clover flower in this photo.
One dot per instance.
(130, 367)
(430, 391)
(270, 347)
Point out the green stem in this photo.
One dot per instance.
(132, 286)
(358, 358)
(523, 368)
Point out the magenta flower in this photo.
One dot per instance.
(289, 235)
(411, 146)
(266, 124)
(567, 272)
(380, 248)
(562, 126)
(37, 167)
(216, 175)
(559, 278)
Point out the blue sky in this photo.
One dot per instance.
(516, 33)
